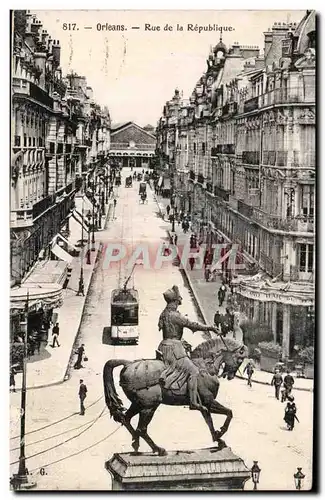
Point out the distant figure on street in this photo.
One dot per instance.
(12, 383)
(221, 294)
(287, 386)
(55, 334)
(277, 381)
(290, 413)
(192, 262)
(175, 239)
(207, 274)
(114, 202)
(249, 369)
(167, 210)
(79, 353)
(217, 319)
(82, 396)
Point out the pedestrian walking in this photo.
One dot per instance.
(80, 352)
(82, 396)
(55, 334)
(167, 210)
(290, 413)
(175, 239)
(114, 202)
(277, 381)
(12, 383)
(207, 273)
(221, 294)
(288, 384)
(249, 369)
(192, 262)
(217, 319)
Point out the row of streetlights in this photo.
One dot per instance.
(299, 476)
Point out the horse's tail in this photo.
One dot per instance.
(112, 399)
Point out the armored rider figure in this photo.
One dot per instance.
(180, 368)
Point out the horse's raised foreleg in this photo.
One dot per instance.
(218, 408)
(144, 420)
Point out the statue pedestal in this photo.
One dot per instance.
(202, 470)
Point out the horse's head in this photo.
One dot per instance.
(231, 361)
(221, 357)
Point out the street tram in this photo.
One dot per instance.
(125, 315)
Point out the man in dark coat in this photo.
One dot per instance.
(277, 382)
(80, 353)
(55, 334)
(217, 319)
(82, 396)
(287, 386)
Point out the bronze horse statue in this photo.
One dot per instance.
(140, 381)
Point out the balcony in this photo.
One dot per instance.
(43, 205)
(200, 179)
(289, 224)
(297, 275)
(244, 209)
(285, 96)
(251, 157)
(270, 266)
(251, 104)
(223, 149)
(192, 175)
(126, 145)
(229, 109)
(21, 218)
(221, 193)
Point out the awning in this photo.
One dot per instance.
(61, 254)
(15, 157)
(87, 203)
(46, 296)
(81, 217)
(47, 272)
(76, 218)
(67, 241)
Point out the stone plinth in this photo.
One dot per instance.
(202, 470)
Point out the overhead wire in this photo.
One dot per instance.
(64, 442)
(57, 421)
(54, 435)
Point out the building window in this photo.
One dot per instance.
(194, 148)
(25, 141)
(34, 141)
(203, 148)
(29, 141)
(40, 142)
(307, 200)
(17, 140)
(306, 258)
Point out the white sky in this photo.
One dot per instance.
(135, 72)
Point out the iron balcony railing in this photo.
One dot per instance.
(251, 157)
(223, 149)
(285, 96)
(221, 193)
(251, 104)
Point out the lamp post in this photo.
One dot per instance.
(93, 225)
(88, 239)
(81, 277)
(255, 471)
(20, 480)
(299, 478)
(173, 221)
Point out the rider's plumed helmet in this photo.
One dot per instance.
(172, 294)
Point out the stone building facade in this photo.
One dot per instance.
(57, 133)
(245, 165)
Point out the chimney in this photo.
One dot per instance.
(56, 52)
(268, 38)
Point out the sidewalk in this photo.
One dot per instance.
(50, 366)
(205, 296)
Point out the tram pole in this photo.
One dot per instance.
(20, 479)
(81, 277)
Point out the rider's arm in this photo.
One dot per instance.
(192, 325)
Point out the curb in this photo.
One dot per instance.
(201, 312)
(67, 371)
(70, 362)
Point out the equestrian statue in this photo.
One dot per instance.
(176, 377)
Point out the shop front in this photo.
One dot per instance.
(286, 306)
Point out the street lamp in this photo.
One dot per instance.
(93, 225)
(88, 239)
(255, 471)
(299, 478)
(81, 277)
